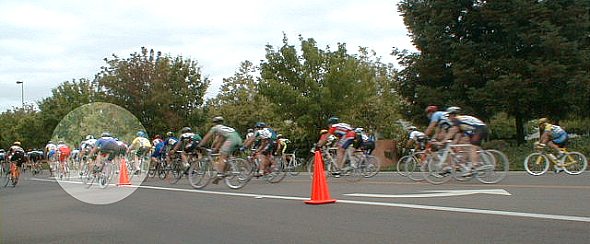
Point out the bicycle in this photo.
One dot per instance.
(446, 162)
(12, 176)
(201, 172)
(368, 164)
(274, 174)
(103, 174)
(293, 164)
(352, 171)
(537, 163)
(414, 164)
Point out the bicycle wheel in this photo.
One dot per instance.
(106, 176)
(200, 174)
(500, 168)
(236, 173)
(162, 171)
(486, 173)
(536, 164)
(311, 167)
(419, 167)
(438, 172)
(370, 166)
(575, 163)
(7, 179)
(295, 166)
(401, 167)
(176, 172)
(277, 173)
(14, 179)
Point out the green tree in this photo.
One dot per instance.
(516, 56)
(163, 92)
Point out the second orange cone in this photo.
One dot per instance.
(320, 194)
(123, 174)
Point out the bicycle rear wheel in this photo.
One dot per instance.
(419, 167)
(536, 164)
(277, 173)
(311, 167)
(237, 173)
(295, 166)
(500, 168)
(575, 163)
(438, 172)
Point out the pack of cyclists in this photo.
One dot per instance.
(445, 126)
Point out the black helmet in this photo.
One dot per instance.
(217, 120)
(260, 125)
(333, 120)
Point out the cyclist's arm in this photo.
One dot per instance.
(431, 127)
(545, 137)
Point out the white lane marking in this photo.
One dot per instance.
(400, 205)
(438, 193)
(473, 210)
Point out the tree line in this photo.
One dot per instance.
(499, 60)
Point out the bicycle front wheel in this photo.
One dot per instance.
(200, 174)
(536, 164)
(498, 170)
(237, 173)
(575, 163)
(419, 166)
(370, 166)
(277, 173)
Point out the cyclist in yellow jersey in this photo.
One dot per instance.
(141, 145)
(552, 135)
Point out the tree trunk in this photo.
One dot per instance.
(519, 129)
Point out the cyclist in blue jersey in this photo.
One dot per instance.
(107, 147)
(266, 139)
(553, 135)
(439, 123)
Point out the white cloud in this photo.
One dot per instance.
(47, 42)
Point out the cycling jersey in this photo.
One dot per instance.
(87, 145)
(472, 127)
(17, 154)
(64, 152)
(442, 119)
(107, 144)
(558, 135)
(417, 135)
(50, 149)
(159, 149)
(190, 141)
(232, 142)
(340, 130)
(140, 143)
(267, 134)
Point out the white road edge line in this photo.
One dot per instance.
(400, 205)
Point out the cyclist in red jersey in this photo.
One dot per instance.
(346, 136)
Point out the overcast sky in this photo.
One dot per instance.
(44, 43)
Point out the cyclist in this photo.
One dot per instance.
(169, 144)
(63, 152)
(439, 123)
(187, 144)
(417, 139)
(2, 155)
(471, 130)
(50, 153)
(266, 138)
(35, 157)
(552, 135)
(250, 134)
(141, 146)
(157, 139)
(282, 144)
(158, 152)
(346, 136)
(363, 141)
(226, 141)
(16, 155)
(107, 147)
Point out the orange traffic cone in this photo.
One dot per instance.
(319, 188)
(123, 174)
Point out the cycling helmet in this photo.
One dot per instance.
(16, 143)
(323, 132)
(431, 109)
(359, 130)
(141, 134)
(280, 136)
(60, 142)
(412, 128)
(169, 134)
(185, 129)
(158, 137)
(250, 130)
(454, 110)
(217, 120)
(543, 121)
(260, 125)
(105, 134)
(333, 120)
(89, 137)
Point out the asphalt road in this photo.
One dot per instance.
(520, 209)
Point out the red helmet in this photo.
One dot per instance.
(431, 109)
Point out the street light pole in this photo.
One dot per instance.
(22, 93)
